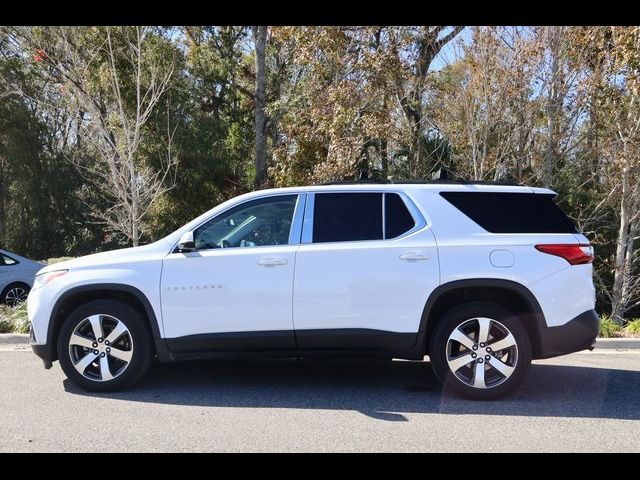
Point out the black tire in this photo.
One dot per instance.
(11, 286)
(438, 351)
(142, 350)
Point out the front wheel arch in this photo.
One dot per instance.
(77, 296)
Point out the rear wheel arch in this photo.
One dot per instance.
(511, 295)
(77, 296)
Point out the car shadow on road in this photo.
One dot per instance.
(384, 390)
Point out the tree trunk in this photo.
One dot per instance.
(260, 39)
(384, 157)
(620, 279)
(135, 227)
(553, 106)
(2, 214)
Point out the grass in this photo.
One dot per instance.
(609, 328)
(14, 319)
(53, 260)
(633, 327)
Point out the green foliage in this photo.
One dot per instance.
(632, 327)
(14, 319)
(53, 260)
(609, 328)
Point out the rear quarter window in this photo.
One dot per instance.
(507, 212)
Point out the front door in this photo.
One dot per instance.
(234, 291)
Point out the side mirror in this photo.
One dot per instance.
(186, 243)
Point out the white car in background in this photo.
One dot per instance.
(16, 277)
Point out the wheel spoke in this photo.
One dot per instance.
(80, 341)
(119, 329)
(84, 362)
(506, 342)
(502, 367)
(478, 377)
(96, 326)
(104, 369)
(483, 332)
(124, 355)
(459, 362)
(462, 338)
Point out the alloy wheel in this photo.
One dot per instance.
(482, 353)
(101, 347)
(15, 296)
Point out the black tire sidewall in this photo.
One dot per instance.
(451, 320)
(142, 347)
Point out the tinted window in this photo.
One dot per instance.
(344, 217)
(262, 222)
(398, 220)
(512, 212)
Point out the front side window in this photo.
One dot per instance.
(257, 223)
(346, 217)
(6, 260)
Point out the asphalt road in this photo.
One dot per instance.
(581, 402)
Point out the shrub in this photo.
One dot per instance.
(609, 328)
(14, 319)
(51, 261)
(633, 327)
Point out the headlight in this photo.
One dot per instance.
(46, 278)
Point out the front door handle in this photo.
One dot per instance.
(271, 261)
(414, 256)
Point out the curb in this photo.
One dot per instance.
(14, 338)
(617, 343)
(601, 343)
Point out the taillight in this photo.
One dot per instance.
(575, 254)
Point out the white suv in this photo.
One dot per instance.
(482, 278)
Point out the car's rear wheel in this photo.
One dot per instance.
(14, 294)
(480, 351)
(104, 345)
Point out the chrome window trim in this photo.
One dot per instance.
(296, 223)
(307, 224)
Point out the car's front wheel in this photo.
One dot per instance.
(14, 294)
(104, 345)
(481, 351)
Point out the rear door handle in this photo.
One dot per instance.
(414, 256)
(271, 261)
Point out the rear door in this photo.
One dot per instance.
(363, 273)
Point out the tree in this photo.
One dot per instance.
(260, 39)
(618, 100)
(116, 77)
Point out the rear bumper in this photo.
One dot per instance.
(578, 334)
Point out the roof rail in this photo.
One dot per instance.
(417, 182)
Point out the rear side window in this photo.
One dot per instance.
(6, 260)
(506, 212)
(398, 220)
(344, 217)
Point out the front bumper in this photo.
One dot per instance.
(576, 335)
(44, 352)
